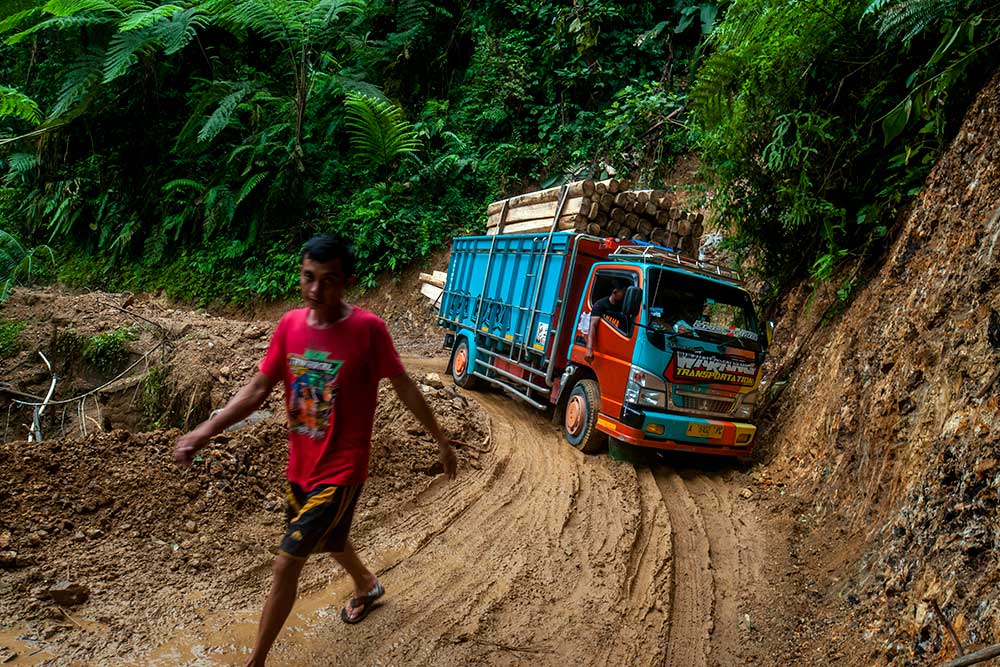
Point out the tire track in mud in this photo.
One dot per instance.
(541, 554)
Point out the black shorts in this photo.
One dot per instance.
(320, 520)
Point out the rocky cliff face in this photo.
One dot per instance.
(890, 416)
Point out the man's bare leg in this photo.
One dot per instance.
(363, 578)
(284, 584)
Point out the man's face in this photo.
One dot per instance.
(618, 294)
(323, 284)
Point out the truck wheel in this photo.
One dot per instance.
(580, 422)
(462, 364)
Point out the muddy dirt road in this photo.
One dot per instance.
(539, 554)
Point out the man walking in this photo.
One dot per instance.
(330, 356)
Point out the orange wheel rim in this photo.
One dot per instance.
(461, 361)
(576, 411)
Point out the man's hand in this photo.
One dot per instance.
(241, 406)
(448, 458)
(588, 356)
(187, 446)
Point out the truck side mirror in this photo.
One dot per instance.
(770, 332)
(632, 302)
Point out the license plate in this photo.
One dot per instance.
(710, 431)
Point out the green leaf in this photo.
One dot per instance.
(708, 15)
(895, 121)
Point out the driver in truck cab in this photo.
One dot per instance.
(609, 305)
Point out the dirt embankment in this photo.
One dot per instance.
(891, 419)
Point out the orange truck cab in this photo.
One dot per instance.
(675, 363)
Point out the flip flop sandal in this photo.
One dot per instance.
(365, 603)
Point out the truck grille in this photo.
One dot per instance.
(704, 404)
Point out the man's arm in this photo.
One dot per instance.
(595, 323)
(409, 393)
(249, 398)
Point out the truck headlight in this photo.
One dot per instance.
(645, 389)
(748, 403)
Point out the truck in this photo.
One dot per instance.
(678, 367)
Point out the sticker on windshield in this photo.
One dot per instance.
(702, 325)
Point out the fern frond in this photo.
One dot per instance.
(80, 80)
(11, 22)
(60, 23)
(15, 104)
(181, 183)
(144, 19)
(411, 15)
(326, 12)
(179, 29)
(717, 82)
(124, 50)
(19, 164)
(378, 130)
(905, 19)
(248, 187)
(220, 118)
(74, 7)
(219, 209)
(276, 20)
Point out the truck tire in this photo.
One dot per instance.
(580, 422)
(462, 363)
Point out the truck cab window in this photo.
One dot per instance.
(604, 283)
(698, 308)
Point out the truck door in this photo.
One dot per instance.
(615, 344)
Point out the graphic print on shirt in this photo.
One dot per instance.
(312, 393)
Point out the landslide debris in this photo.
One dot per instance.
(108, 524)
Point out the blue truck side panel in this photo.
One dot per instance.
(503, 286)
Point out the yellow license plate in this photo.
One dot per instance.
(711, 431)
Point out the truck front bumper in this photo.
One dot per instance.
(682, 433)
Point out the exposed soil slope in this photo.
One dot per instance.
(891, 419)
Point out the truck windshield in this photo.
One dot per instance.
(697, 307)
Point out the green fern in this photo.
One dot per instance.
(182, 183)
(147, 18)
(11, 22)
(79, 82)
(378, 131)
(411, 15)
(248, 187)
(19, 167)
(290, 23)
(220, 209)
(905, 19)
(222, 115)
(17, 263)
(15, 104)
(178, 30)
(74, 22)
(124, 51)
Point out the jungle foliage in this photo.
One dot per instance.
(194, 145)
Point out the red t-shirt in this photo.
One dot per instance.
(331, 381)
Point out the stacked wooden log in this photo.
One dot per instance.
(432, 285)
(601, 208)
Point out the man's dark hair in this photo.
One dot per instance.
(621, 283)
(328, 247)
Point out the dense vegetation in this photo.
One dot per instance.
(193, 145)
